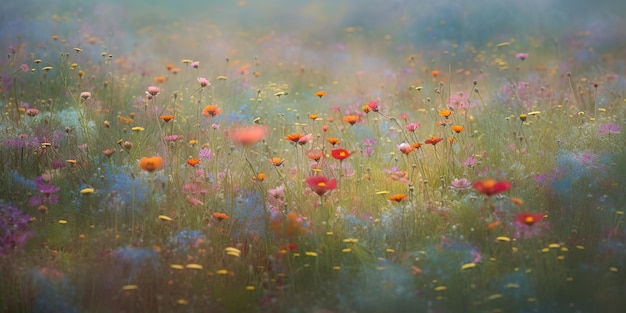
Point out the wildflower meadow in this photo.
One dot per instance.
(312, 156)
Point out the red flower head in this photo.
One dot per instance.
(373, 105)
(247, 136)
(340, 153)
(491, 187)
(528, 218)
(321, 184)
(433, 140)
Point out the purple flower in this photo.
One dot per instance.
(13, 228)
(205, 153)
(609, 129)
(48, 189)
(522, 56)
(459, 101)
(471, 161)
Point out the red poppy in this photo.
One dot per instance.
(528, 218)
(340, 153)
(321, 184)
(491, 187)
(433, 140)
(247, 136)
(373, 105)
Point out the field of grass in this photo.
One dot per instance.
(312, 157)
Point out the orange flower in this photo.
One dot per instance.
(160, 79)
(490, 187)
(366, 108)
(320, 94)
(433, 140)
(313, 116)
(166, 118)
(397, 197)
(457, 128)
(175, 70)
(220, 216)
(193, 162)
(315, 154)
(247, 136)
(434, 73)
(340, 153)
(416, 145)
(277, 161)
(517, 201)
(352, 119)
(169, 67)
(211, 110)
(289, 226)
(445, 113)
(108, 152)
(493, 225)
(333, 141)
(125, 120)
(294, 137)
(259, 177)
(151, 164)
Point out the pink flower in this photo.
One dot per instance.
(204, 82)
(24, 68)
(405, 148)
(247, 136)
(459, 101)
(85, 95)
(320, 184)
(461, 183)
(469, 161)
(412, 127)
(522, 56)
(609, 129)
(173, 137)
(193, 201)
(32, 112)
(278, 192)
(195, 64)
(305, 139)
(153, 91)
